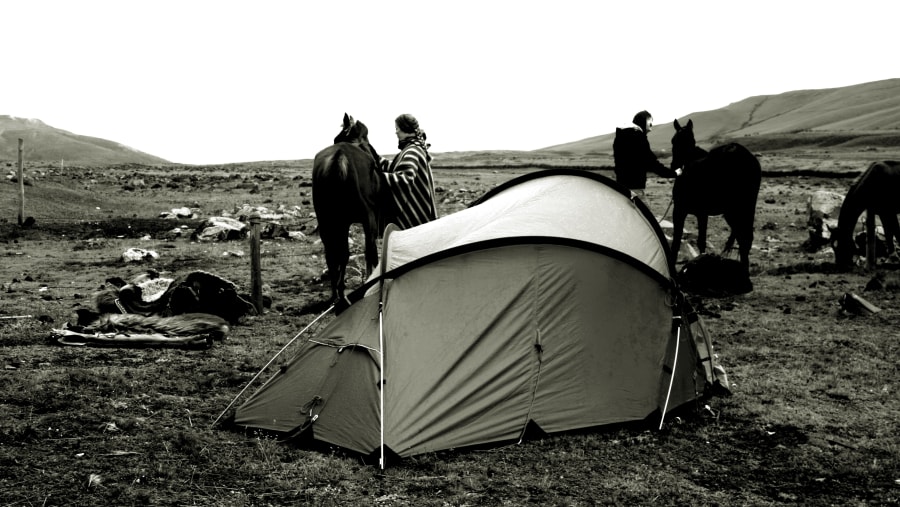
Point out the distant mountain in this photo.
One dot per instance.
(45, 144)
(848, 117)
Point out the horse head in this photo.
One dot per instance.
(683, 144)
(355, 132)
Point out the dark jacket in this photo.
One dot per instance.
(634, 158)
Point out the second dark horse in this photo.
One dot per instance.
(346, 190)
(877, 191)
(724, 181)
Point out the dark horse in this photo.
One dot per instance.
(346, 190)
(724, 181)
(876, 191)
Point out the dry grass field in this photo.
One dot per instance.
(812, 418)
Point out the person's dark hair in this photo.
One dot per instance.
(407, 123)
(641, 118)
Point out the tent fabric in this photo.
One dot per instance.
(550, 301)
(568, 207)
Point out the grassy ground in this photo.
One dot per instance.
(812, 419)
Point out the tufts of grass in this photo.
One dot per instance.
(810, 420)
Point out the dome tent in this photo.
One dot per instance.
(550, 301)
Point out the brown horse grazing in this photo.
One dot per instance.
(724, 181)
(346, 190)
(877, 191)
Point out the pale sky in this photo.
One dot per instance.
(209, 82)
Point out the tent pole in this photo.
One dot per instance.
(662, 416)
(384, 254)
(270, 362)
(381, 379)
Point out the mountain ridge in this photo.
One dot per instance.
(855, 115)
(46, 144)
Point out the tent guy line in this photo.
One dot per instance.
(288, 344)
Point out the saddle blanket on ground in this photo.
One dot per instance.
(192, 330)
(195, 292)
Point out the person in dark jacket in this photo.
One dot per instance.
(408, 177)
(633, 156)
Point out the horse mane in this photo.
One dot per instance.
(854, 204)
(357, 133)
(696, 155)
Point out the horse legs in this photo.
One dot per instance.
(678, 218)
(337, 255)
(745, 242)
(743, 248)
(370, 230)
(891, 230)
(729, 243)
(702, 222)
(742, 232)
(871, 240)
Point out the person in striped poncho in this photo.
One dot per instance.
(409, 178)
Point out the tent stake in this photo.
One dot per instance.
(288, 344)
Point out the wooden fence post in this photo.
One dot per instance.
(21, 176)
(255, 271)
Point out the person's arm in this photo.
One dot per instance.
(653, 164)
(412, 188)
(406, 171)
(662, 170)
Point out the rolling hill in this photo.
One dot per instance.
(43, 143)
(852, 117)
(855, 116)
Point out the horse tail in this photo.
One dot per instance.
(342, 165)
(337, 166)
(330, 171)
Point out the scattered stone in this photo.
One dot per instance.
(139, 255)
(822, 209)
(220, 229)
(179, 213)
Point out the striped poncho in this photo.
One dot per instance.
(411, 185)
